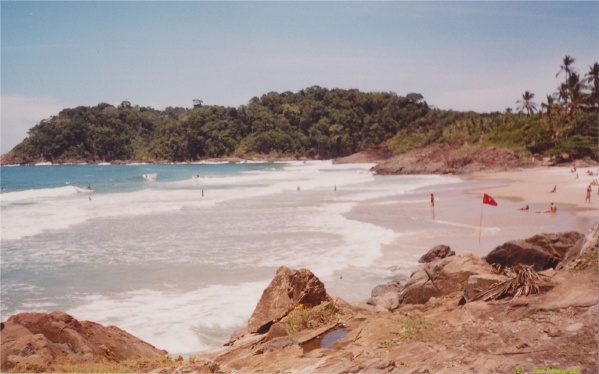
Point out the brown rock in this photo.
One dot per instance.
(540, 251)
(442, 277)
(440, 251)
(381, 289)
(288, 289)
(388, 301)
(37, 340)
(277, 330)
(276, 344)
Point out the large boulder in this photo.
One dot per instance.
(542, 251)
(35, 341)
(442, 277)
(440, 251)
(287, 290)
(393, 286)
(385, 296)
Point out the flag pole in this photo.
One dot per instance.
(480, 223)
(486, 200)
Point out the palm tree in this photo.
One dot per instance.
(549, 105)
(526, 103)
(567, 69)
(549, 109)
(575, 87)
(592, 78)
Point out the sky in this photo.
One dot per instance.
(478, 56)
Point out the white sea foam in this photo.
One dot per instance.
(42, 193)
(210, 162)
(261, 222)
(180, 322)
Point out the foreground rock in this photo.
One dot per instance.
(308, 332)
(429, 332)
(37, 341)
(288, 290)
(443, 277)
(542, 251)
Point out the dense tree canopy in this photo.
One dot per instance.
(316, 122)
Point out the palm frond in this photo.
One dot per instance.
(523, 281)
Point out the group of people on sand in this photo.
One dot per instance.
(552, 209)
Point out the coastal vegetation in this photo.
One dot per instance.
(317, 122)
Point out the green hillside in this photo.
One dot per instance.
(316, 123)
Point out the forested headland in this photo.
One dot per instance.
(318, 123)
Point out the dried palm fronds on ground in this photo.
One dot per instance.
(523, 281)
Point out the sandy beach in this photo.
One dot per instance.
(461, 221)
(534, 186)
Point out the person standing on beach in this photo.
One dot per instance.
(588, 197)
(433, 201)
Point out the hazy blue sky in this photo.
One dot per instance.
(459, 55)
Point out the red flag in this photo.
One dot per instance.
(489, 200)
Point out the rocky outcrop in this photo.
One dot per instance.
(430, 332)
(288, 290)
(33, 341)
(448, 159)
(440, 251)
(542, 251)
(442, 277)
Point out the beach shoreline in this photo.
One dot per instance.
(534, 185)
(461, 221)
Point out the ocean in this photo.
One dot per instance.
(178, 255)
(138, 246)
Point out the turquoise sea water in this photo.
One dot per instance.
(144, 250)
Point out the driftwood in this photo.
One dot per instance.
(523, 281)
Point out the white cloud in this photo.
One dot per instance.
(20, 113)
